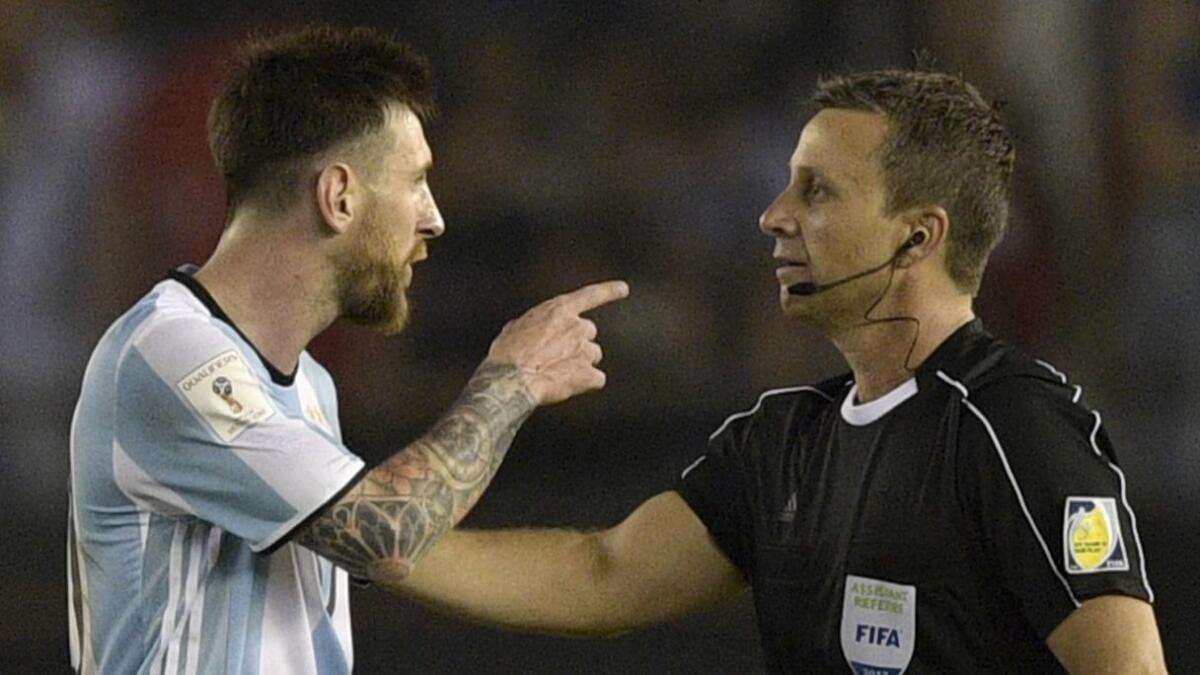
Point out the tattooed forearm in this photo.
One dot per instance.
(403, 505)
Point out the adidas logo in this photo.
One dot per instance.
(788, 514)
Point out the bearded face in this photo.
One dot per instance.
(374, 271)
(372, 278)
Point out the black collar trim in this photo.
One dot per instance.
(952, 347)
(183, 275)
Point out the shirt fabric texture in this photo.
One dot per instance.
(193, 461)
(948, 526)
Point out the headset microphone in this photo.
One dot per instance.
(805, 288)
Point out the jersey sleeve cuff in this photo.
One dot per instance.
(718, 528)
(302, 520)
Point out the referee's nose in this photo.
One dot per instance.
(777, 220)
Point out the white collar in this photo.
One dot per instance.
(862, 414)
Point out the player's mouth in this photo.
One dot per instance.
(415, 257)
(419, 254)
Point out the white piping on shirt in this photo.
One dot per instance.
(1137, 540)
(1125, 502)
(1012, 479)
(693, 465)
(763, 397)
(747, 413)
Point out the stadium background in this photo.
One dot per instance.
(580, 141)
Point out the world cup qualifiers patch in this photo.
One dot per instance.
(227, 395)
(1092, 536)
(879, 625)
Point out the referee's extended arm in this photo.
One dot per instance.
(1109, 634)
(659, 564)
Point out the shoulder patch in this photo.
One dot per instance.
(226, 394)
(1092, 536)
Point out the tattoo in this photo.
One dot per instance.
(403, 505)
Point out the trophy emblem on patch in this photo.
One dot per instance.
(1092, 536)
(224, 388)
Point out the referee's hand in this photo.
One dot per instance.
(554, 347)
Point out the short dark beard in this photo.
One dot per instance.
(370, 290)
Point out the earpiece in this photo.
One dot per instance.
(917, 239)
(810, 288)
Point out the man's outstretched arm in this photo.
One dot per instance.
(1109, 634)
(658, 565)
(403, 505)
(382, 525)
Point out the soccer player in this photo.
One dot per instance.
(215, 511)
(949, 505)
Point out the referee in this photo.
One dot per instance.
(948, 505)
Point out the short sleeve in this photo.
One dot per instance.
(1041, 482)
(713, 487)
(197, 433)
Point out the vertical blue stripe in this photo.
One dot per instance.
(129, 583)
(155, 585)
(256, 611)
(327, 650)
(175, 641)
(236, 593)
(219, 593)
(154, 427)
(92, 428)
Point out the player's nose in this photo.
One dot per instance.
(432, 224)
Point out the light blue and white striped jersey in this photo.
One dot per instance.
(192, 462)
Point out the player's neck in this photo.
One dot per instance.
(878, 353)
(272, 289)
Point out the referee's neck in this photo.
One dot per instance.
(885, 354)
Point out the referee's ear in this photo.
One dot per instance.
(928, 227)
(336, 194)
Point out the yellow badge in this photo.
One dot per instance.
(1092, 536)
(227, 395)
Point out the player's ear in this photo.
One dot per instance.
(338, 195)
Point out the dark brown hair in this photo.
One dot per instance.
(294, 95)
(945, 145)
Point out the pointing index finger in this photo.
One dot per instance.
(594, 295)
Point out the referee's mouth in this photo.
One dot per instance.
(791, 271)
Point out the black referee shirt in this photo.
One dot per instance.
(948, 526)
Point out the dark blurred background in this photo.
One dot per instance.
(579, 141)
